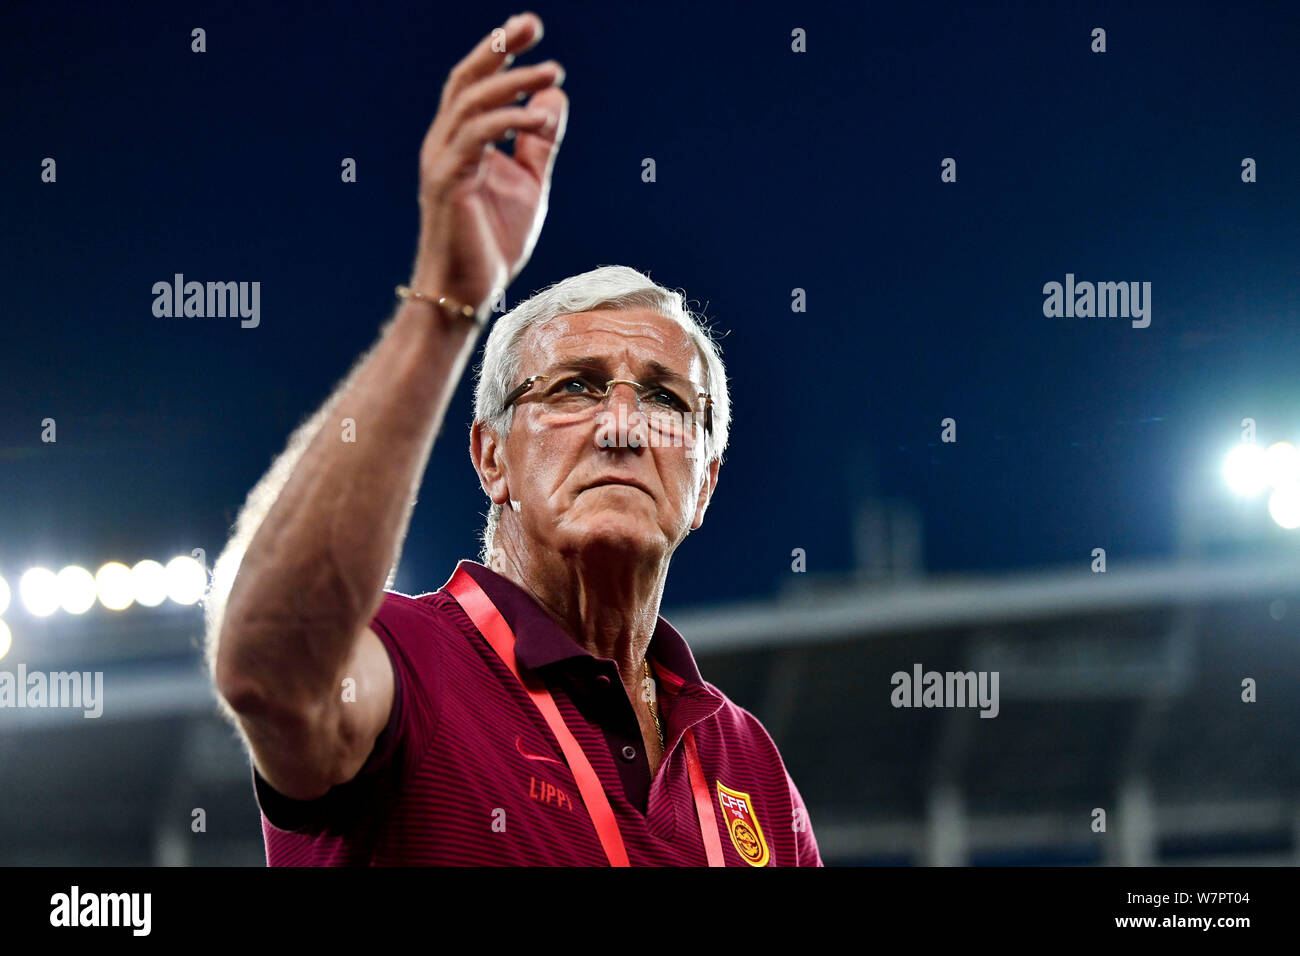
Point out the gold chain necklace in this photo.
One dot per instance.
(654, 702)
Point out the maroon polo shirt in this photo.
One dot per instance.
(467, 772)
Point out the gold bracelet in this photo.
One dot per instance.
(450, 305)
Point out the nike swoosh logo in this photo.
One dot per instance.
(519, 745)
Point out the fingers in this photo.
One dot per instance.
(502, 89)
(480, 106)
(494, 52)
(483, 130)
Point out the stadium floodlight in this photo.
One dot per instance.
(113, 584)
(186, 580)
(39, 590)
(149, 583)
(1284, 505)
(4, 595)
(6, 640)
(1244, 469)
(76, 589)
(1281, 464)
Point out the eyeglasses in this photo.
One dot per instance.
(668, 407)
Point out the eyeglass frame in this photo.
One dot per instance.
(522, 389)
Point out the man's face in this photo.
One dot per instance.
(560, 469)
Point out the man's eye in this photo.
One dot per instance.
(667, 399)
(573, 386)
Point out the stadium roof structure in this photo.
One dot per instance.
(1119, 691)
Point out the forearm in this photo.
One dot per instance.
(326, 524)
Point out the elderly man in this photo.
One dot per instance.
(536, 709)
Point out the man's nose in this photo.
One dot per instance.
(621, 423)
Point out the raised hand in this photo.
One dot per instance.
(481, 210)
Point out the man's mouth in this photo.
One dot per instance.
(618, 482)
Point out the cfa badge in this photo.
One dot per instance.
(742, 824)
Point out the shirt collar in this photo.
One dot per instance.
(540, 641)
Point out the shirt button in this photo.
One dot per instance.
(629, 753)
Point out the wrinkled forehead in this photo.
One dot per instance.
(632, 339)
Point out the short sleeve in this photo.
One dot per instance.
(403, 628)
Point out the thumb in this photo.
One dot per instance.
(536, 149)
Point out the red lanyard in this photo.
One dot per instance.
(480, 609)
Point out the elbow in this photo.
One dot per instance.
(255, 680)
(240, 691)
(236, 683)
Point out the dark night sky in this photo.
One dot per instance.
(775, 170)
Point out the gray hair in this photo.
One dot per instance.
(607, 287)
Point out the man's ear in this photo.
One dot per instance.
(706, 493)
(485, 451)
